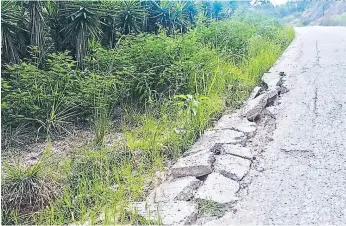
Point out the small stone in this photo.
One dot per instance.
(217, 149)
(255, 106)
(198, 164)
(232, 166)
(272, 80)
(171, 213)
(219, 189)
(180, 189)
(238, 150)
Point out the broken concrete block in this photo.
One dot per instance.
(180, 189)
(272, 80)
(232, 166)
(238, 150)
(219, 189)
(198, 164)
(255, 106)
(255, 92)
(226, 122)
(227, 136)
(170, 213)
(204, 144)
(272, 94)
(237, 123)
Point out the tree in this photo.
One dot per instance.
(36, 27)
(83, 26)
(12, 31)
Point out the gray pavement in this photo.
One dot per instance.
(303, 176)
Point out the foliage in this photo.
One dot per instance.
(27, 189)
(171, 87)
(72, 25)
(12, 31)
(339, 20)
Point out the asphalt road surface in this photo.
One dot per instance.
(304, 166)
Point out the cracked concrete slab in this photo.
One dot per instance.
(232, 166)
(237, 123)
(227, 136)
(180, 189)
(254, 107)
(198, 164)
(219, 189)
(169, 213)
(272, 79)
(238, 150)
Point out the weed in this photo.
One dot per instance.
(27, 189)
(209, 208)
(101, 125)
(11, 137)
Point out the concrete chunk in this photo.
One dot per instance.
(272, 94)
(204, 144)
(198, 164)
(232, 166)
(272, 80)
(180, 189)
(219, 189)
(237, 123)
(238, 150)
(255, 92)
(255, 106)
(171, 213)
(228, 136)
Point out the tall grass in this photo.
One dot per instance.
(172, 88)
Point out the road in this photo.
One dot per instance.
(303, 180)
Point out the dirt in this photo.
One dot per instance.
(29, 154)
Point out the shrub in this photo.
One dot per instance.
(27, 189)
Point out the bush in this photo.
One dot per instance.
(51, 100)
(26, 189)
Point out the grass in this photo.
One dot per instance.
(27, 189)
(209, 208)
(97, 182)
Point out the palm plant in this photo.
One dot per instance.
(37, 27)
(129, 16)
(83, 25)
(55, 23)
(171, 15)
(121, 17)
(12, 15)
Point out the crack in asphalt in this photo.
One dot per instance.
(300, 176)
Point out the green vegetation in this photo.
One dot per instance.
(338, 20)
(170, 81)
